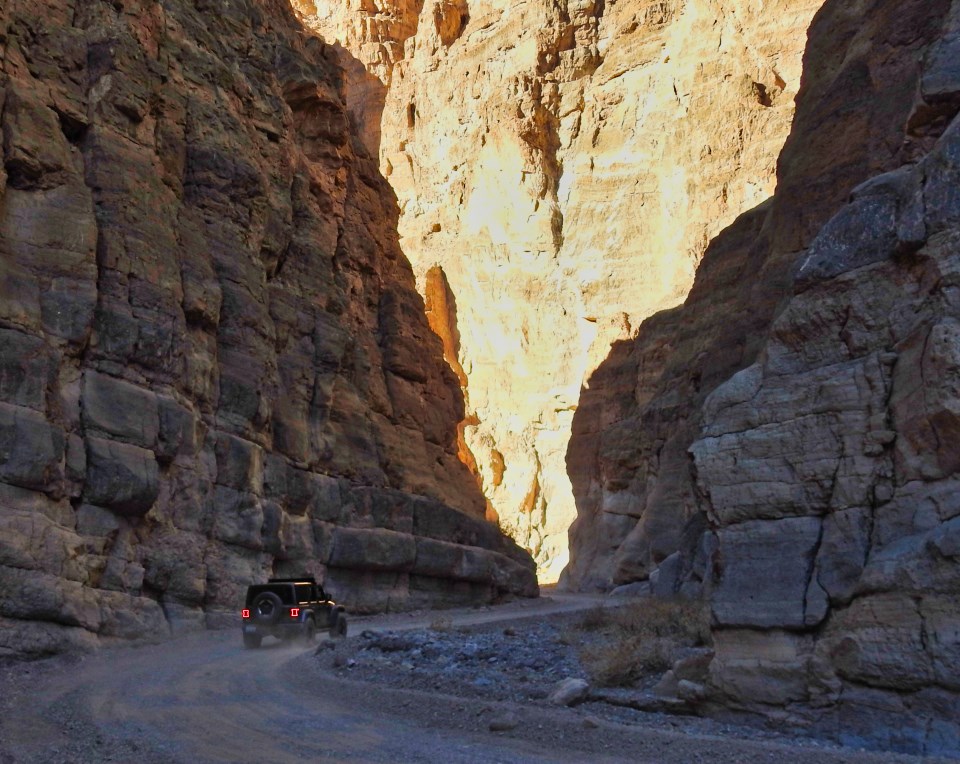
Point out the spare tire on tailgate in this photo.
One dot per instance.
(266, 609)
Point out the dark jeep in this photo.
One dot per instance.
(290, 608)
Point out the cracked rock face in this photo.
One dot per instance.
(785, 443)
(214, 363)
(649, 401)
(833, 488)
(563, 165)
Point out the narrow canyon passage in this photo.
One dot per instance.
(387, 292)
(564, 167)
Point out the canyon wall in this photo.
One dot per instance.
(786, 443)
(563, 165)
(214, 363)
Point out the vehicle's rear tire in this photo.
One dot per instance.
(252, 641)
(309, 632)
(339, 627)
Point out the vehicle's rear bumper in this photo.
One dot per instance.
(277, 630)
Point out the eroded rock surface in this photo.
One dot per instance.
(564, 165)
(628, 458)
(214, 363)
(785, 443)
(842, 464)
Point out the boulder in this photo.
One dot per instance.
(122, 477)
(636, 589)
(569, 692)
(503, 721)
(31, 449)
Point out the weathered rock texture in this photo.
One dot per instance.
(788, 441)
(564, 165)
(214, 363)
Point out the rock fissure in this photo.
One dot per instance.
(815, 454)
(814, 619)
(233, 281)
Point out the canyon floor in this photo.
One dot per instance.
(203, 698)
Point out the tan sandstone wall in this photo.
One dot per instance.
(214, 363)
(564, 165)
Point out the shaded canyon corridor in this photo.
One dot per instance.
(330, 288)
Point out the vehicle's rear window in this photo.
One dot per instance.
(304, 592)
(283, 591)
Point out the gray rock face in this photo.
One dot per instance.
(628, 457)
(204, 319)
(794, 444)
(121, 477)
(765, 575)
(31, 449)
(852, 424)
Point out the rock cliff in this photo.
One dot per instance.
(214, 363)
(563, 165)
(786, 442)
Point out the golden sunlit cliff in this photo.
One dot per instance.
(564, 166)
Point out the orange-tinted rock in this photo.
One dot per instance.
(564, 164)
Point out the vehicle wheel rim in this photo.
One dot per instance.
(266, 608)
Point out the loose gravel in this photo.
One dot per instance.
(521, 664)
(493, 663)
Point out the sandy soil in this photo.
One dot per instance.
(203, 698)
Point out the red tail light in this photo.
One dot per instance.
(245, 613)
(294, 612)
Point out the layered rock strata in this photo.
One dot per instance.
(786, 443)
(214, 363)
(564, 164)
(628, 459)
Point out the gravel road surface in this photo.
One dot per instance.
(203, 698)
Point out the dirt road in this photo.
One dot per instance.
(203, 698)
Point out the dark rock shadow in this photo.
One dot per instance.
(365, 98)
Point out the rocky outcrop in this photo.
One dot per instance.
(628, 458)
(214, 363)
(786, 442)
(564, 165)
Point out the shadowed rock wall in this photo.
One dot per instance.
(214, 363)
(786, 443)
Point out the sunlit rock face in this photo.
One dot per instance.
(214, 362)
(564, 165)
